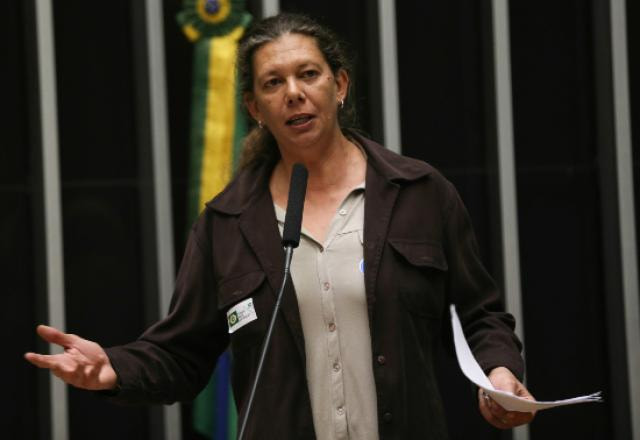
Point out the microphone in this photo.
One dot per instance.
(295, 205)
(290, 240)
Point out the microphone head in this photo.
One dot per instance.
(295, 205)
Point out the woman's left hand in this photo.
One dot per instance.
(502, 379)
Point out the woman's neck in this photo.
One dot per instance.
(334, 171)
(336, 165)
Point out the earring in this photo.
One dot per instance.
(260, 124)
(342, 103)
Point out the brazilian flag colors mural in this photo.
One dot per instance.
(218, 125)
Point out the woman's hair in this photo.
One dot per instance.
(259, 144)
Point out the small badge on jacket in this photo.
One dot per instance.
(241, 314)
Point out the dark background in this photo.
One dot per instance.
(564, 153)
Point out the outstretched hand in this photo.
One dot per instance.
(502, 379)
(83, 364)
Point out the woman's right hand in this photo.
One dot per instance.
(83, 364)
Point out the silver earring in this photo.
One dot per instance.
(342, 103)
(260, 124)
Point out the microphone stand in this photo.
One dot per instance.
(267, 340)
(290, 240)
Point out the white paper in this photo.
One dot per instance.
(508, 401)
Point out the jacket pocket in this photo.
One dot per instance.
(421, 273)
(236, 289)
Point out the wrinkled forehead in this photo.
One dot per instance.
(287, 49)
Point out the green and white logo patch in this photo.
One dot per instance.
(233, 319)
(241, 314)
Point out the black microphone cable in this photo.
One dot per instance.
(290, 240)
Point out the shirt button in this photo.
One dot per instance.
(332, 327)
(342, 212)
(387, 417)
(326, 286)
(336, 367)
(340, 410)
(382, 360)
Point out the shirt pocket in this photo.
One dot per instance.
(235, 289)
(421, 273)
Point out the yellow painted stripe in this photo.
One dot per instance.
(217, 161)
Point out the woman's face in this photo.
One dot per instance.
(295, 93)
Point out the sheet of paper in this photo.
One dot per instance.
(508, 401)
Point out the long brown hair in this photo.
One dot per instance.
(259, 145)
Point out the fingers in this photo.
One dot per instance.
(54, 336)
(59, 365)
(491, 414)
(63, 366)
(521, 391)
(498, 416)
(83, 365)
(503, 379)
(55, 362)
(41, 360)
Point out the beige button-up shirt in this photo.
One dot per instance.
(329, 283)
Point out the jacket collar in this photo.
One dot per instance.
(392, 166)
(250, 183)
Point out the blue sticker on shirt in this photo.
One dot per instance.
(361, 265)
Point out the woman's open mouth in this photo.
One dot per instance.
(299, 120)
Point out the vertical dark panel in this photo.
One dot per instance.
(356, 23)
(633, 52)
(179, 62)
(24, 413)
(605, 105)
(101, 187)
(559, 200)
(446, 101)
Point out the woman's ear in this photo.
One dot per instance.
(252, 106)
(342, 84)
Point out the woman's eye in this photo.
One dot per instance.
(272, 82)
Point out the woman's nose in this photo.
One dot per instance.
(294, 92)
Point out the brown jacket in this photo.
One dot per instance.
(420, 255)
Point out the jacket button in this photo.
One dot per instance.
(382, 360)
(387, 417)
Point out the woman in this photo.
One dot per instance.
(386, 245)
